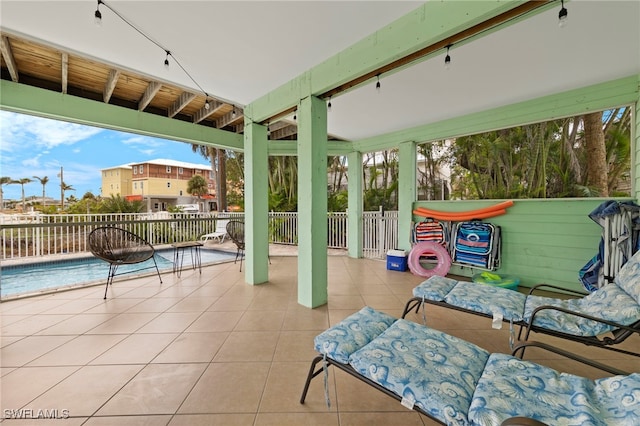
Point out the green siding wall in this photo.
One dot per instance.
(543, 241)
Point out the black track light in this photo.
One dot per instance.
(562, 15)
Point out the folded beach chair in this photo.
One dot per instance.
(604, 318)
(458, 383)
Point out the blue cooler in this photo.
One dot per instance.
(397, 260)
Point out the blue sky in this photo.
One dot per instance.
(33, 146)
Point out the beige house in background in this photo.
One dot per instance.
(160, 183)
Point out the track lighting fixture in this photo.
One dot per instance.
(329, 104)
(378, 83)
(447, 59)
(98, 14)
(166, 59)
(562, 15)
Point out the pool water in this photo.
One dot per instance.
(45, 276)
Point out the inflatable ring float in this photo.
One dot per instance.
(428, 248)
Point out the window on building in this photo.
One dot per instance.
(135, 185)
(168, 184)
(181, 192)
(168, 169)
(141, 169)
(135, 170)
(180, 170)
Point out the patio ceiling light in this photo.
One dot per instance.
(378, 83)
(98, 14)
(329, 104)
(166, 60)
(563, 15)
(447, 59)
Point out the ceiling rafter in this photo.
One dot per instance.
(5, 47)
(152, 89)
(214, 106)
(65, 71)
(230, 118)
(182, 101)
(110, 85)
(285, 131)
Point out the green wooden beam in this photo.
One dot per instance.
(31, 100)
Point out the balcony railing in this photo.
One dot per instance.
(25, 236)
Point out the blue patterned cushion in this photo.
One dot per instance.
(512, 387)
(435, 288)
(437, 371)
(628, 278)
(488, 300)
(609, 302)
(352, 333)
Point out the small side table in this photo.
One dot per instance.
(178, 255)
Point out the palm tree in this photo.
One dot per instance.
(4, 180)
(43, 181)
(22, 183)
(218, 159)
(197, 186)
(65, 188)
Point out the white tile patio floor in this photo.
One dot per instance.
(208, 349)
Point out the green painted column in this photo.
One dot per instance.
(406, 192)
(256, 203)
(354, 219)
(312, 202)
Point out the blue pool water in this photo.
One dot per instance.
(38, 277)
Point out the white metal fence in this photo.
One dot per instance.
(41, 235)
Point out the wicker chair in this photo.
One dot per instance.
(120, 247)
(235, 231)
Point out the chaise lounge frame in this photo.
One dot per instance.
(619, 334)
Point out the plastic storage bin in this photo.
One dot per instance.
(397, 260)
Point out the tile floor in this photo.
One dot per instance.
(208, 349)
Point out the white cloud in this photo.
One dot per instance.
(16, 130)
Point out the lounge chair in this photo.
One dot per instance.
(120, 247)
(219, 234)
(604, 318)
(458, 383)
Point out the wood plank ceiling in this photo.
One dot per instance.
(27, 62)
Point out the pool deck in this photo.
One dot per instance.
(208, 349)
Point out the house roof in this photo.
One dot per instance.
(240, 51)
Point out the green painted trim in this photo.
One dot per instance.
(635, 146)
(355, 236)
(430, 23)
(256, 218)
(618, 92)
(290, 147)
(25, 99)
(312, 202)
(406, 191)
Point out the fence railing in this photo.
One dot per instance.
(25, 236)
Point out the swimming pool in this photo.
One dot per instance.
(20, 280)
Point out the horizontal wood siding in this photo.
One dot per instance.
(543, 241)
